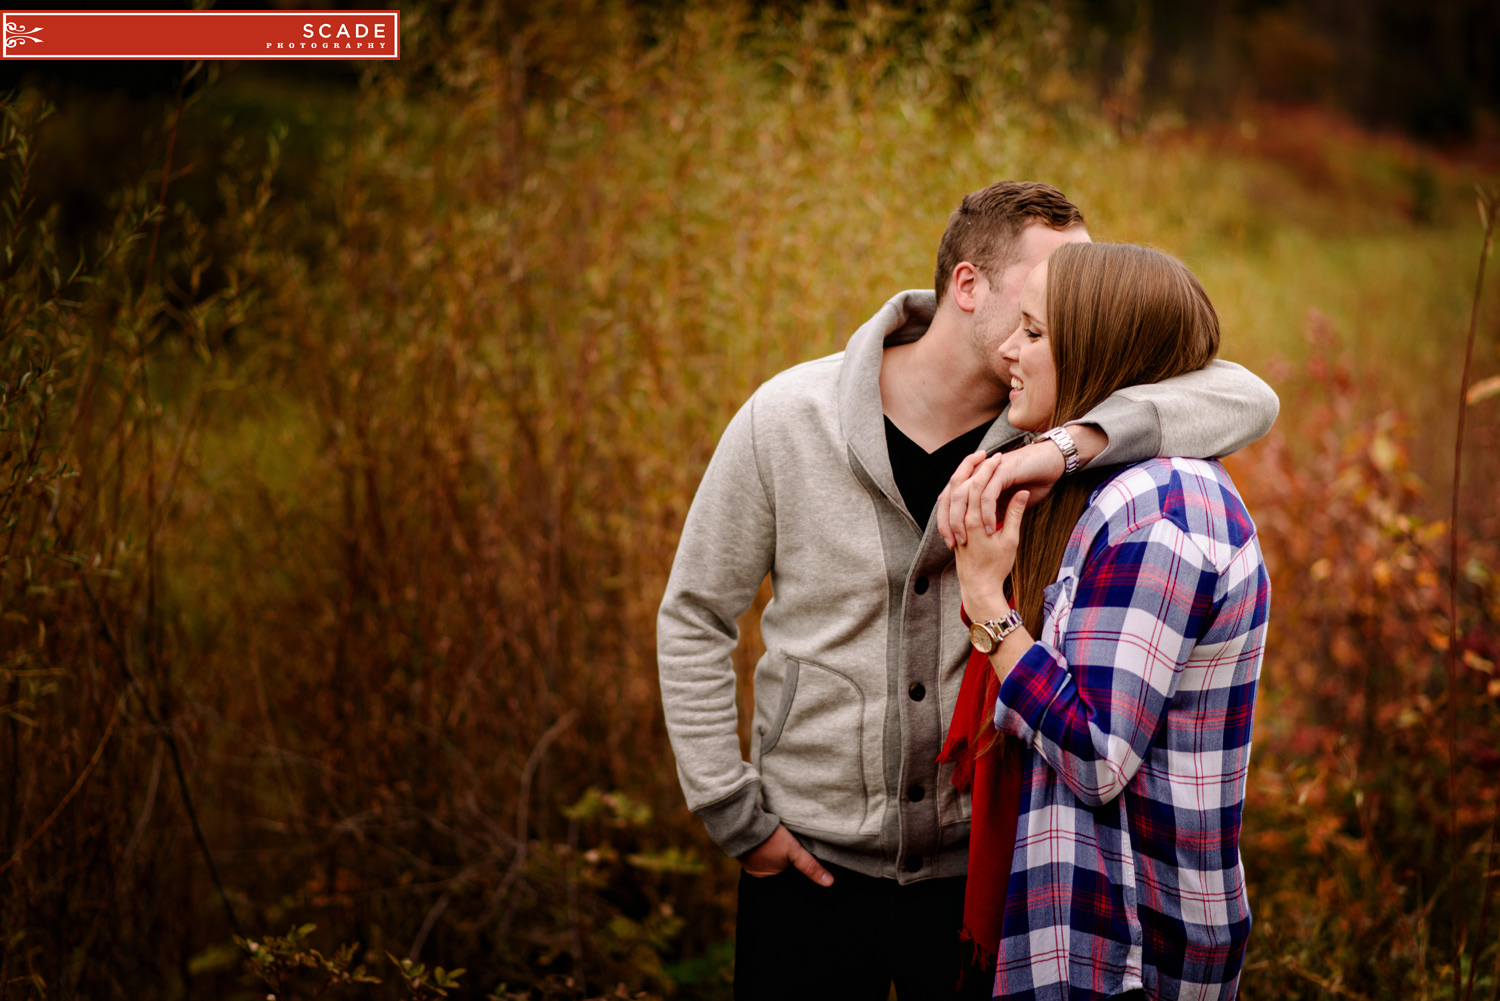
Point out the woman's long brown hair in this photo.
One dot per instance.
(1118, 315)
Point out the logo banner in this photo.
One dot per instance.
(158, 34)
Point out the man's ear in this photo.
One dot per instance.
(964, 286)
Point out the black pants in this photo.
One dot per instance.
(852, 940)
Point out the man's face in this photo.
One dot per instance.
(998, 311)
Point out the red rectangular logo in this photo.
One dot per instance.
(163, 34)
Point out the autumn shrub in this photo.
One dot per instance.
(1350, 829)
(338, 500)
(94, 341)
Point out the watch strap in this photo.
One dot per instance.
(1059, 436)
(998, 629)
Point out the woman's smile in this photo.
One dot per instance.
(1033, 371)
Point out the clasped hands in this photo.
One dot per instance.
(967, 518)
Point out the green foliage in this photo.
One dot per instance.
(288, 961)
(614, 808)
(422, 984)
(672, 860)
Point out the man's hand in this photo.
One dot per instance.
(1035, 469)
(780, 850)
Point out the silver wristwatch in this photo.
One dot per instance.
(1064, 441)
(986, 636)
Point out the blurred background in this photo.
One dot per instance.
(349, 414)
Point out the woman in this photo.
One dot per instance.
(1123, 674)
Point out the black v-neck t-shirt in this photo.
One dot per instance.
(922, 475)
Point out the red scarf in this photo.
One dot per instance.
(995, 777)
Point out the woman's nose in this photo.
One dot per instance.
(1008, 348)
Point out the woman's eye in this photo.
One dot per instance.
(1031, 333)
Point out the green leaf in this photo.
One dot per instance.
(221, 956)
(672, 860)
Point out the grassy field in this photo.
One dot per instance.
(321, 474)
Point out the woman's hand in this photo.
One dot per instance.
(1036, 468)
(1033, 468)
(951, 504)
(985, 559)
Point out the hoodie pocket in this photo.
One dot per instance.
(811, 752)
(770, 732)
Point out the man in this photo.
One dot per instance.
(852, 839)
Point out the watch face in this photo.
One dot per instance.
(981, 638)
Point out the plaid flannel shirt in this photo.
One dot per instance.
(1135, 705)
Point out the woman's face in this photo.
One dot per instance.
(1033, 375)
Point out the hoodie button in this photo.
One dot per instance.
(916, 692)
(920, 586)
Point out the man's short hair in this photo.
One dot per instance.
(987, 225)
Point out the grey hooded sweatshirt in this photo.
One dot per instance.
(864, 646)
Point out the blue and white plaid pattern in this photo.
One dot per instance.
(1136, 706)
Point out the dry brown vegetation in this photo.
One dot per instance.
(335, 522)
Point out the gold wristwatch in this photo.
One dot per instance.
(987, 636)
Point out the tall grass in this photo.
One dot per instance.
(357, 501)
